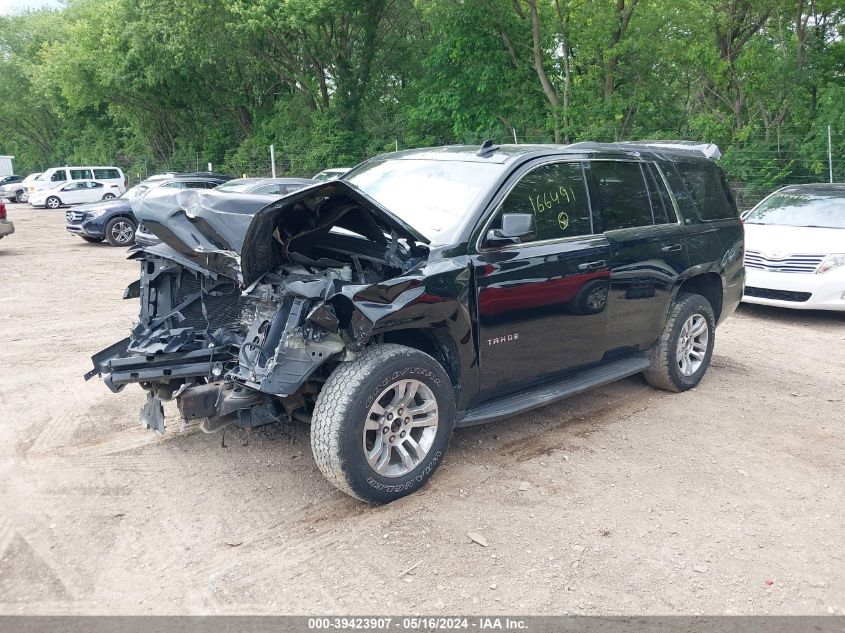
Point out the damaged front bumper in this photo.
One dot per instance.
(241, 329)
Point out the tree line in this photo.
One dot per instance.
(330, 82)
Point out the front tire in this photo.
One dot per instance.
(53, 202)
(382, 423)
(120, 232)
(682, 354)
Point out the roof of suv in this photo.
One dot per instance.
(508, 152)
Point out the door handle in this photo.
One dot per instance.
(672, 248)
(592, 265)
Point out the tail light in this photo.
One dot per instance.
(2, 210)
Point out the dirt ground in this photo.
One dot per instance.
(728, 499)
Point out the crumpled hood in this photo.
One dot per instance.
(232, 234)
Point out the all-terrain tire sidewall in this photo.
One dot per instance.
(664, 371)
(342, 407)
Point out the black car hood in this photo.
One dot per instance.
(242, 236)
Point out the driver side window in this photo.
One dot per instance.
(555, 194)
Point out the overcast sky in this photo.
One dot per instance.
(16, 6)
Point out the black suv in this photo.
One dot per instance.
(431, 289)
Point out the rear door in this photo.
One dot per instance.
(541, 304)
(648, 250)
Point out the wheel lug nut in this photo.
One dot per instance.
(392, 438)
(385, 430)
(402, 434)
(407, 420)
(400, 411)
(389, 416)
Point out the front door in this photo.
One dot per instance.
(648, 250)
(74, 193)
(541, 303)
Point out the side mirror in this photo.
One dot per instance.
(516, 228)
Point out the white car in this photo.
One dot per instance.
(55, 176)
(76, 192)
(795, 248)
(16, 191)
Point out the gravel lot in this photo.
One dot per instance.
(628, 500)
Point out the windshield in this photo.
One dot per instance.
(239, 184)
(432, 196)
(798, 209)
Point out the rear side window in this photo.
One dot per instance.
(80, 174)
(705, 187)
(623, 200)
(556, 196)
(94, 185)
(106, 174)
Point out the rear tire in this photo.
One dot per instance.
(120, 232)
(682, 354)
(108, 196)
(383, 422)
(20, 197)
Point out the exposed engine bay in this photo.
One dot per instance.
(249, 302)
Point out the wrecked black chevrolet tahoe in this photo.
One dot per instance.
(430, 289)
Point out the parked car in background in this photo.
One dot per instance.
(795, 248)
(16, 190)
(7, 180)
(268, 186)
(110, 220)
(76, 192)
(114, 220)
(331, 174)
(430, 289)
(6, 225)
(58, 175)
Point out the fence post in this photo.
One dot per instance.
(829, 155)
(273, 160)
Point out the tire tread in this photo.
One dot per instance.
(334, 401)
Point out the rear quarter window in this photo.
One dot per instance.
(706, 188)
(106, 174)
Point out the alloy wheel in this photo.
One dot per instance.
(400, 428)
(122, 232)
(692, 344)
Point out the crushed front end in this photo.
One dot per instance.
(249, 302)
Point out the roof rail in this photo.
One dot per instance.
(708, 150)
(688, 148)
